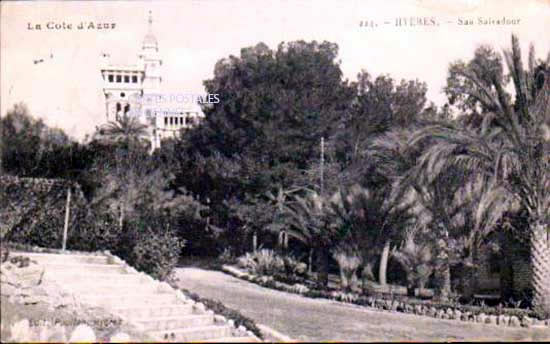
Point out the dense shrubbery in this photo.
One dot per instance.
(156, 253)
(32, 210)
(95, 233)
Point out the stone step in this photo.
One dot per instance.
(151, 306)
(125, 300)
(137, 313)
(63, 258)
(176, 322)
(119, 287)
(69, 267)
(202, 333)
(70, 276)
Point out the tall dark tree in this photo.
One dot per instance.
(381, 104)
(275, 107)
(29, 147)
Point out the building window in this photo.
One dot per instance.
(126, 78)
(111, 78)
(134, 79)
(165, 121)
(171, 120)
(119, 78)
(126, 109)
(117, 113)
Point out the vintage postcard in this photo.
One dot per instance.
(278, 171)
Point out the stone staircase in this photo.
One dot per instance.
(154, 307)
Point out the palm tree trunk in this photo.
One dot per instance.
(382, 271)
(121, 216)
(446, 287)
(366, 275)
(324, 260)
(471, 284)
(254, 241)
(310, 261)
(344, 282)
(540, 267)
(443, 277)
(443, 272)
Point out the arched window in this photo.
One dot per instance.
(126, 108)
(117, 112)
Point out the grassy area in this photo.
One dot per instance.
(103, 324)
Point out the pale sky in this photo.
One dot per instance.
(66, 90)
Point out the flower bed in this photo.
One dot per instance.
(487, 315)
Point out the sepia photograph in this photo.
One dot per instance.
(274, 171)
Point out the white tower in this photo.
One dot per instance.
(150, 60)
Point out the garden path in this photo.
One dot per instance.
(306, 319)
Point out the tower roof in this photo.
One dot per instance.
(150, 41)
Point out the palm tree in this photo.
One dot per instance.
(438, 201)
(309, 224)
(510, 148)
(416, 256)
(124, 129)
(395, 159)
(126, 133)
(278, 202)
(369, 219)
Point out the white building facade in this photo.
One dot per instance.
(135, 90)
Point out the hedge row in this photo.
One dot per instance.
(490, 315)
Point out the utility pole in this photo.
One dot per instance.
(321, 191)
(322, 164)
(67, 212)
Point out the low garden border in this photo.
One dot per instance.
(220, 309)
(483, 315)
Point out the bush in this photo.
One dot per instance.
(247, 262)
(226, 257)
(155, 253)
(263, 262)
(95, 232)
(294, 267)
(268, 262)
